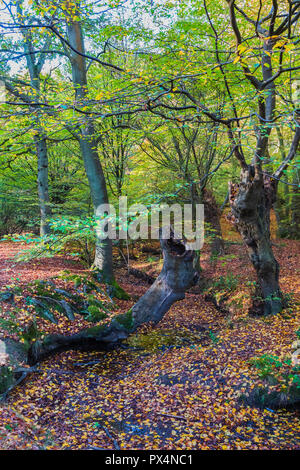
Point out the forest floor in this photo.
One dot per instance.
(179, 393)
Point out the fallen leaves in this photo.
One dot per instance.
(176, 395)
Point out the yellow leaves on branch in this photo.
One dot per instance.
(242, 50)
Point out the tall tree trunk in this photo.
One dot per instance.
(42, 180)
(212, 216)
(88, 147)
(179, 273)
(282, 203)
(96, 179)
(251, 201)
(35, 64)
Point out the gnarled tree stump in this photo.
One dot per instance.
(251, 201)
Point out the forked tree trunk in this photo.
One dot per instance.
(178, 274)
(251, 201)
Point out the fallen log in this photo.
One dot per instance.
(178, 274)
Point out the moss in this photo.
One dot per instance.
(95, 331)
(79, 281)
(125, 319)
(96, 313)
(160, 339)
(31, 334)
(118, 292)
(98, 303)
(43, 289)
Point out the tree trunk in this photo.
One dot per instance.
(88, 146)
(42, 180)
(94, 172)
(212, 217)
(295, 210)
(251, 202)
(282, 203)
(35, 65)
(178, 274)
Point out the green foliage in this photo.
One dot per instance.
(267, 365)
(213, 337)
(26, 334)
(226, 283)
(18, 209)
(277, 371)
(282, 378)
(72, 236)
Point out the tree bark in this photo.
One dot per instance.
(295, 210)
(251, 201)
(178, 274)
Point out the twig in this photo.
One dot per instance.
(116, 445)
(172, 416)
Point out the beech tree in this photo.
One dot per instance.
(88, 142)
(252, 199)
(263, 37)
(34, 49)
